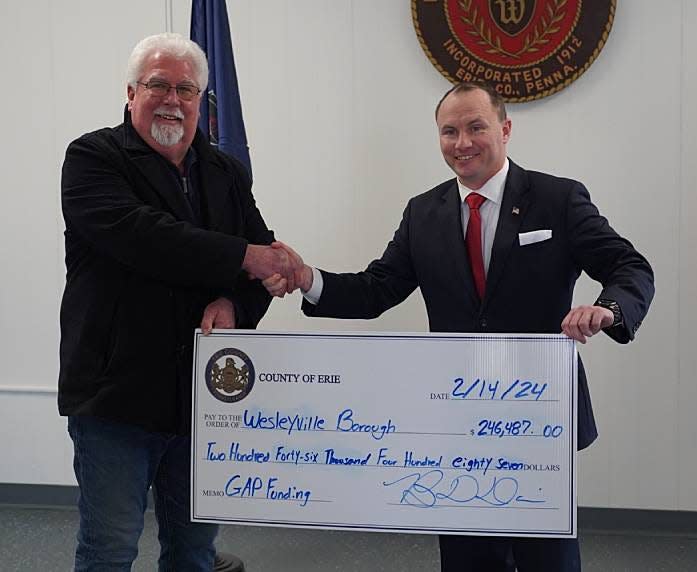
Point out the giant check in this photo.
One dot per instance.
(433, 433)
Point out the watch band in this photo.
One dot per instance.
(614, 307)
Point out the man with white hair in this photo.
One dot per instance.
(161, 233)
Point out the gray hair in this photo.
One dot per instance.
(174, 45)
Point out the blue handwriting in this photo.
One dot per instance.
(346, 423)
(503, 428)
(429, 489)
(278, 420)
(259, 487)
(480, 389)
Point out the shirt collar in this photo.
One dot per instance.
(190, 158)
(492, 189)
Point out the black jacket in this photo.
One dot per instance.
(529, 288)
(140, 272)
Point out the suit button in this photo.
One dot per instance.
(483, 323)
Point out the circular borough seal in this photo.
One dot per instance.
(230, 375)
(528, 49)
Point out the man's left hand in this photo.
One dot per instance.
(585, 321)
(218, 314)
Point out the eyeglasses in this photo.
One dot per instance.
(185, 91)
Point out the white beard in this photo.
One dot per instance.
(167, 135)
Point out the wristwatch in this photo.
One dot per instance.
(614, 307)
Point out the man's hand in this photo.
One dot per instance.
(276, 285)
(264, 261)
(585, 321)
(279, 286)
(218, 314)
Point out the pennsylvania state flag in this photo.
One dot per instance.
(221, 112)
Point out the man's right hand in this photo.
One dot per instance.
(265, 261)
(280, 285)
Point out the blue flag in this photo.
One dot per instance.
(221, 112)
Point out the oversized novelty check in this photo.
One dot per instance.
(433, 433)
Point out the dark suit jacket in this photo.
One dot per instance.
(140, 272)
(528, 289)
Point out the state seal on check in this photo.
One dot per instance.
(230, 375)
(527, 49)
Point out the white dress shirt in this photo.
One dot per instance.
(492, 190)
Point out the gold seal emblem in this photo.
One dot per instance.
(229, 375)
(230, 378)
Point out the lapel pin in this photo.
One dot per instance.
(515, 210)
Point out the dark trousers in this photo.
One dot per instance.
(500, 554)
(115, 465)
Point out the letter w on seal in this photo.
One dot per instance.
(511, 16)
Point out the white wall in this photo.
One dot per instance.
(338, 100)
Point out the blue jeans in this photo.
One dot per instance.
(115, 465)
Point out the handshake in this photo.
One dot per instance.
(279, 267)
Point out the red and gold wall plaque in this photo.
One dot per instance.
(528, 49)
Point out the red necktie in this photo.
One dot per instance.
(473, 242)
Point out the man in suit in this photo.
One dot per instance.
(498, 249)
(161, 231)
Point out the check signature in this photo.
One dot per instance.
(429, 489)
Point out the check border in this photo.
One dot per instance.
(569, 531)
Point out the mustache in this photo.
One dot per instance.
(176, 112)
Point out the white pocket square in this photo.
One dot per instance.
(534, 236)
